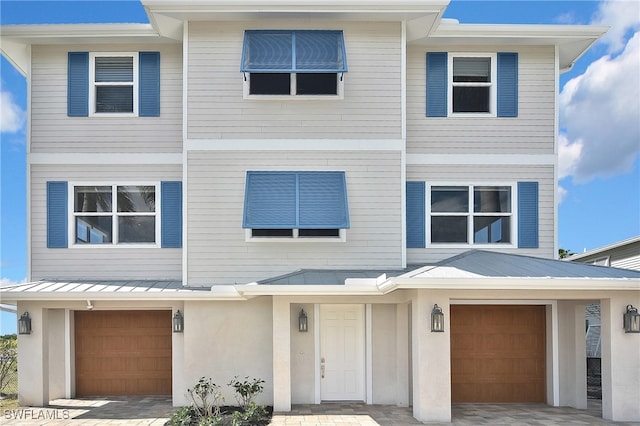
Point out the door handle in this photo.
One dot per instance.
(322, 368)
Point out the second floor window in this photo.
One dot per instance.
(114, 84)
(293, 62)
(471, 215)
(115, 214)
(472, 85)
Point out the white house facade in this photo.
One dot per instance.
(308, 184)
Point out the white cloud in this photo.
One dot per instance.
(562, 194)
(623, 16)
(12, 117)
(600, 115)
(6, 282)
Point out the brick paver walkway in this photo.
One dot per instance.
(138, 411)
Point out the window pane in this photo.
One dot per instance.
(470, 99)
(118, 68)
(269, 83)
(449, 229)
(491, 229)
(114, 98)
(272, 233)
(450, 199)
(476, 70)
(93, 230)
(136, 229)
(136, 198)
(94, 199)
(317, 84)
(318, 233)
(492, 199)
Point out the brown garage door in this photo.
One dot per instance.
(497, 353)
(123, 352)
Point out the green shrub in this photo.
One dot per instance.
(183, 416)
(206, 398)
(253, 415)
(246, 390)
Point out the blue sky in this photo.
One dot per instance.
(599, 163)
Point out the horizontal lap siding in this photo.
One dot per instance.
(97, 262)
(53, 131)
(372, 87)
(466, 174)
(532, 132)
(218, 252)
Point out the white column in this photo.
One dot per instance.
(281, 355)
(620, 361)
(402, 354)
(431, 360)
(572, 354)
(33, 358)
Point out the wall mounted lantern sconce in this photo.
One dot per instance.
(631, 320)
(437, 319)
(24, 324)
(178, 322)
(303, 322)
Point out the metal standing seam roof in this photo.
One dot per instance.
(470, 264)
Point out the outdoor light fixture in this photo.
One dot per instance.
(178, 322)
(631, 320)
(437, 319)
(303, 322)
(24, 324)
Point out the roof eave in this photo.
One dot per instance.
(572, 40)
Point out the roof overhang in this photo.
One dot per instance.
(572, 41)
(16, 39)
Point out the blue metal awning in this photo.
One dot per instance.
(303, 200)
(301, 51)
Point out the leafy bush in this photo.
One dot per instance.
(205, 409)
(8, 362)
(252, 415)
(246, 390)
(206, 398)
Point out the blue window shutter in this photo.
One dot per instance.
(415, 214)
(57, 216)
(78, 84)
(149, 84)
(528, 214)
(437, 82)
(270, 200)
(171, 214)
(322, 200)
(507, 84)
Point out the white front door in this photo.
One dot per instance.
(342, 357)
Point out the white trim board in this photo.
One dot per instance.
(482, 159)
(104, 158)
(294, 145)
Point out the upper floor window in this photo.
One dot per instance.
(115, 214)
(473, 84)
(472, 88)
(114, 81)
(471, 214)
(293, 62)
(296, 205)
(463, 215)
(118, 84)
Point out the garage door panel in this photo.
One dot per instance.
(498, 353)
(123, 353)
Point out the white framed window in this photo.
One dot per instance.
(107, 215)
(472, 82)
(295, 235)
(113, 84)
(293, 85)
(463, 215)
